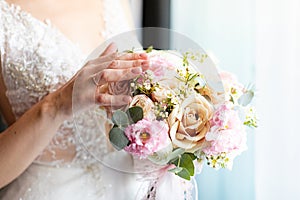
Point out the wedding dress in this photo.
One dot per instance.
(37, 59)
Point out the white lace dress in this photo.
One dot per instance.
(36, 60)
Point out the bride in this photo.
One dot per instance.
(43, 47)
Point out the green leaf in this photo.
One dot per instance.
(129, 51)
(184, 174)
(175, 161)
(120, 118)
(118, 138)
(185, 61)
(149, 49)
(176, 170)
(180, 79)
(193, 77)
(246, 98)
(186, 162)
(135, 114)
(193, 157)
(174, 155)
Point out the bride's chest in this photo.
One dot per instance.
(80, 21)
(35, 58)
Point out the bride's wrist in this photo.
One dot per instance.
(56, 105)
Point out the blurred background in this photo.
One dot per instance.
(259, 41)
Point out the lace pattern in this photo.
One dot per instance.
(37, 59)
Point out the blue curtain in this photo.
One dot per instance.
(226, 28)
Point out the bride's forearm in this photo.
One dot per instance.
(22, 142)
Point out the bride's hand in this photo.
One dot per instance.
(89, 86)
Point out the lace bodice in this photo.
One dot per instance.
(37, 59)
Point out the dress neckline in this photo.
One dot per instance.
(47, 24)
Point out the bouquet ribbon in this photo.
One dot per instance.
(156, 183)
(162, 184)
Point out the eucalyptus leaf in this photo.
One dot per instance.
(184, 174)
(175, 154)
(175, 161)
(187, 163)
(135, 114)
(118, 139)
(193, 157)
(175, 170)
(246, 98)
(161, 157)
(120, 118)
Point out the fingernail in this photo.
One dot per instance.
(127, 99)
(143, 55)
(145, 65)
(136, 70)
(114, 47)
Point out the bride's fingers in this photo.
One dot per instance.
(104, 99)
(112, 47)
(115, 75)
(132, 56)
(116, 56)
(102, 59)
(116, 64)
(119, 64)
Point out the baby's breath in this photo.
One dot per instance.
(218, 161)
(251, 119)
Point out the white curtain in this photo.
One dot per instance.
(277, 154)
(226, 29)
(136, 10)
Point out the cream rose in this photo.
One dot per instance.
(146, 103)
(166, 85)
(160, 94)
(189, 123)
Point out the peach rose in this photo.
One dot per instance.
(146, 103)
(189, 123)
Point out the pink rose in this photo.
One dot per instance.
(158, 65)
(227, 133)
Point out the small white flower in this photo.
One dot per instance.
(147, 86)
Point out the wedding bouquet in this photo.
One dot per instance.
(177, 120)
